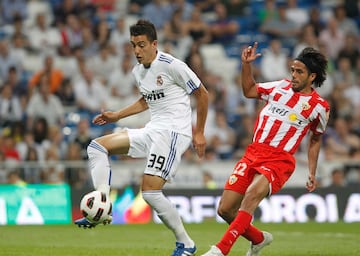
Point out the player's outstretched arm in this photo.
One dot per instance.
(106, 117)
(248, 55)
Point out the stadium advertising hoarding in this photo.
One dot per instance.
(35, 204)
(289, 205)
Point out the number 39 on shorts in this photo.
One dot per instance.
(240, 168)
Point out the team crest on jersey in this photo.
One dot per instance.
(232, 179)
(159, 81)
(305, 106)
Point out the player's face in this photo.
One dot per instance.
(144, 50)
(301, 78)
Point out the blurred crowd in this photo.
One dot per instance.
(63, 61)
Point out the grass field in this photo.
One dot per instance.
(308, 239)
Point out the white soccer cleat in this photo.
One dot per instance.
(214, 251)
(255, 249)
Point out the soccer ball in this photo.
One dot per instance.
(96, 207)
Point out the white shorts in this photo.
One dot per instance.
(162, 148)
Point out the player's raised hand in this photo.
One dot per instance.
(249, 54)
(106, 117)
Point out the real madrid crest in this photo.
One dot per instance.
(232, 179)
(159, 81)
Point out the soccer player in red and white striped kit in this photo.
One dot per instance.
(293, 108)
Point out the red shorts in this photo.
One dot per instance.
(276, 165)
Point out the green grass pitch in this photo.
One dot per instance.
(308, 239)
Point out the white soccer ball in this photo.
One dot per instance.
(96, 207)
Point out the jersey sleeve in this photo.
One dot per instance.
(318, 126)
(184, 76)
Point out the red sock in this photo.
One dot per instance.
(253, 234)
(236, 229)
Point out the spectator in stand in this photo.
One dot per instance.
(223, 29)
(337, 178)
(90, 94)
(282, 28)
(75, 173)
(54, 170)
(344, 73)
(7, 60)
(40, 132)
(346, 24)
(119, 36)
(63, 10)
(54, 76)
(10, 10)
(158, 12)
(236, 8)
(208, 180)
(121, 82)
(307, 38)
(274, 64)
(71, 34)
(103, 64)
(32, 170)
(14, 178)
(350, 50)
(83, 137)
(223, 138)
(42, 37)
(18, 36)
(297, 14)
(333, 38)
(90, 46)
(102, 32)
(45, 104)
(10, 108)
(197, 28)
(316, 20)
(174, 32)
(340, 141)
(8, 147)
(268, 12)
(185, 6)
(135, 7)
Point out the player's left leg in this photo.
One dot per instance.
(257, 190)
(164, 158)
(98, 153)
(168, 214)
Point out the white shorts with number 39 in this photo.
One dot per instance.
(162, 148)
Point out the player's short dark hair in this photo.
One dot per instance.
(315, 62)
(144, 27)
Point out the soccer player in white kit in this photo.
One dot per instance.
(165, 84)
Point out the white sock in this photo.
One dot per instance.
(99, 166)
(168, 214)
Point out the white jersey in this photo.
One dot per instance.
(166, 86)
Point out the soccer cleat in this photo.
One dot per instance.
(214, 251)
(255, 249)
(180, 250)
(84, 223)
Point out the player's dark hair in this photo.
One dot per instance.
(144, 27)
(315, 62)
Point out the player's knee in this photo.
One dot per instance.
(152, 196)
(94, 149)
(226, 213)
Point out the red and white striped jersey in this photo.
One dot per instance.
(288, 115)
